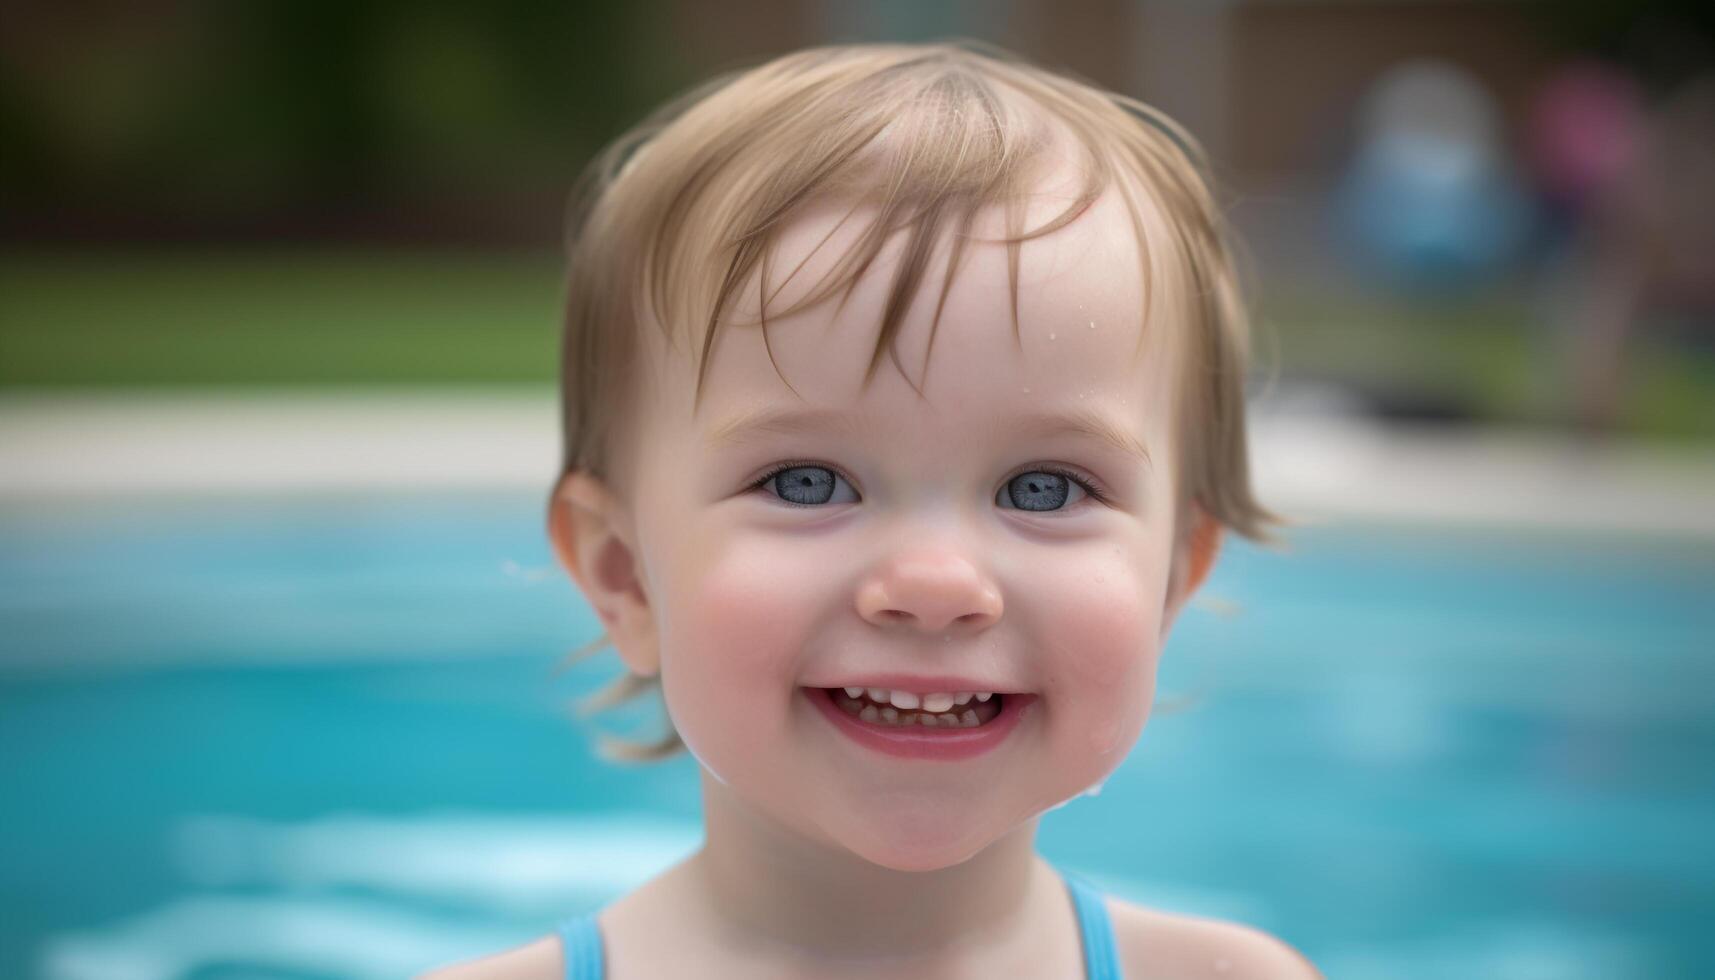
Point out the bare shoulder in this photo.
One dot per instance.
(1163, 946)
(536, 960)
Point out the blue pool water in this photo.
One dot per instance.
(321, 738)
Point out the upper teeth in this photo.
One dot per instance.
(935, 702)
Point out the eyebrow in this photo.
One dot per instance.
(1080, 423)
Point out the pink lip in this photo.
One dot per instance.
(925, 743)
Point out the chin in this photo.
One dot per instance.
(918, 844)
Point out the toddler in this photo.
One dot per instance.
(903, 412)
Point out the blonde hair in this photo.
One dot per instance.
(684, 210)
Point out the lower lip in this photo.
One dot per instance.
(917, 742)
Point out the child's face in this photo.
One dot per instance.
(920, 562)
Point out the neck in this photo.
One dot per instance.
(770, 886)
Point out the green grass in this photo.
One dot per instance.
(252, 317)
(1489, 355)
(1475, 353)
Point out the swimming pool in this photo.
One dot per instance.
(319, 736)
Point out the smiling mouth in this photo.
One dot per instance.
(972, 714)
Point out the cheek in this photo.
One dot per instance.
(737, 618)
(1104, 624)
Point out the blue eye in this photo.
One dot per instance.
(807, 485)
(1044, 490)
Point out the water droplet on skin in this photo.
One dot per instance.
(1050, 336)
(1027, 391)
(1092, 324)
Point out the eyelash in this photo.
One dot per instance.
(1090, 485)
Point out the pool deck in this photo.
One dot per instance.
(1312, 466)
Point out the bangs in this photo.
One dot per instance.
(920, 141)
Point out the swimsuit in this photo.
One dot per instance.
(580, 939)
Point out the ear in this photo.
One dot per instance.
(592, 537)
(1193, 556)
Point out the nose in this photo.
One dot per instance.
(932, 591)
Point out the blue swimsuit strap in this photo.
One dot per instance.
(1101, 958)
(581, 947)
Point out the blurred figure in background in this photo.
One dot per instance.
(1634, 196)
(1428, 204)
(1584, 129)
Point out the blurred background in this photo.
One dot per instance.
(279, 289)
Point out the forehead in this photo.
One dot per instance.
(1080, 346)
